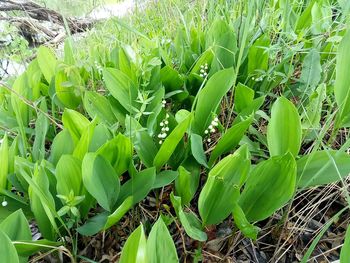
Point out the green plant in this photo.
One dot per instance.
(83, 144)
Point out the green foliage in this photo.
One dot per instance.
(8, 250)
(100, 180)
(284, 129)
(221, 191)
(134, 250)
(190, 222)
(4, 162)
(345, 250)
(209, 98)
(242, 223)
(269, 186)
(217, 108)
(322, 167)
(170, 143)
(186, 183)
(230, 139)
(160, 245)
(47, 62)
(342, 80)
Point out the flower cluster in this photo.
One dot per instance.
(165, 128)
(163, 103)
(257, 79)
(98, 67)
(211, 127)
(4, 203)
(203, 71)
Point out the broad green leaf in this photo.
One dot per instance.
(258, 58)
(222, 38)
(121, 88)
(311, 70)
(68, 176)
(51, 90)
(249, 110)
(243, 97)
(284, 128)
(345, 250)
(94, 224)
(4, 160)
(67, 90)
(14, 202)
(68, 52)
(138, 186)
(321, 17)
(181, 115)
(47, 62)
(126, 59)
(16, 226)
(312, 115)
(26, 248)
(61, 145)
(118, 152)
(12, 153)
(242, 223)
(24, 166)
(21, 109)
(322, 167)
(119, 213)
(143, 142)
(206, 57)
(145, 148)
(99, 106)
(230, 139)
(165, 178)
(160, 245)
(21, 92)
(192, 225)
(75, 122)
(269, 186)
(118, 110)
(189, 220)
(100, 180)
(134, 250)
(42, 203)
(342, 79)
(7, 249)
(83, 145)
(222, 187)
(41, 128)
(209, 98)
(34, 78)
(197, 149)
(100, 136)
(7, 120)
(170, 143)
(187, 182)
(153, 64)
(171, 79)
(154, 108)
(305, 19)
(182, 185)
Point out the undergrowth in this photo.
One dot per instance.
(202, 131)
